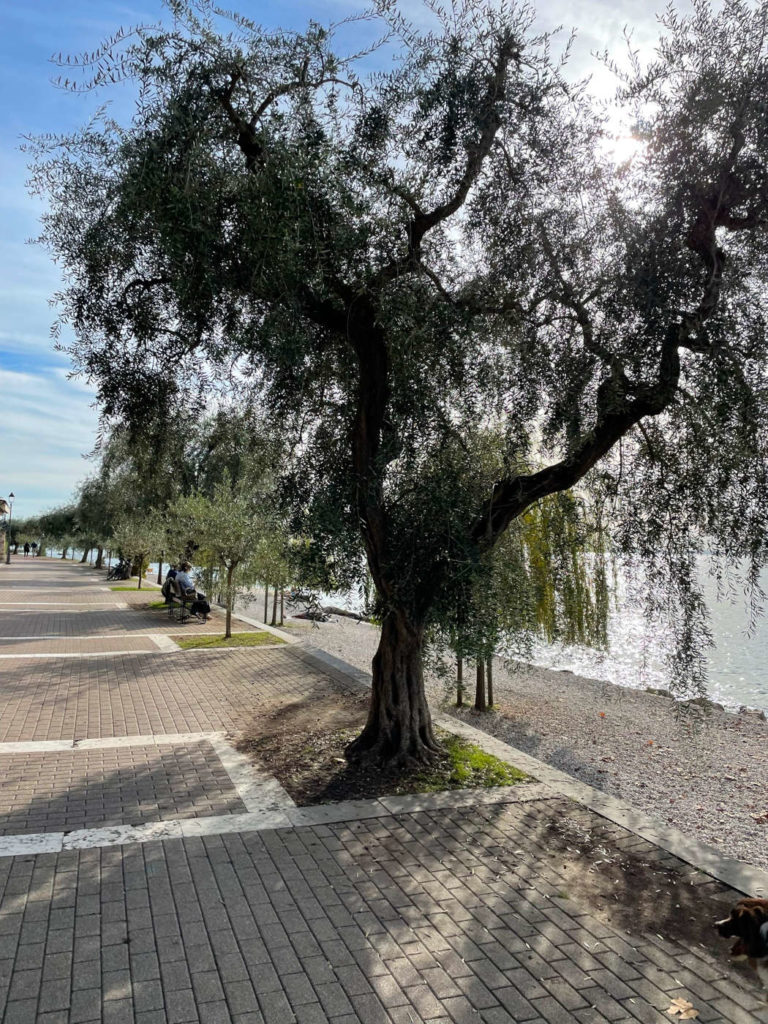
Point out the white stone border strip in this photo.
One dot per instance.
(164, 642)
(106, 742)
(266, 818)
(75, 654)
(739, 875)
(45, 842)
(267, 802)
(253, 786)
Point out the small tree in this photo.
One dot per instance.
(229, 525)
(549, 577)
(60, 526)
(137, 538)
(94, 515)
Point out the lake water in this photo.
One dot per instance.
(737, 664)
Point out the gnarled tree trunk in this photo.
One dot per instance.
(99, 563)
(398, 733)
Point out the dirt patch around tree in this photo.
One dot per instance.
(302, 744)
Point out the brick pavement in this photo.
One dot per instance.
(395, 920)
(139, 694)
(456, 916)
(99, 620)
(93, 788)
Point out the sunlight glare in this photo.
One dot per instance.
(622, 148)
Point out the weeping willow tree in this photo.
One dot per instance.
(550, 577)
(562, 565)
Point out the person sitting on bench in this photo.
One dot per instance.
(167, 589)
(199, 606)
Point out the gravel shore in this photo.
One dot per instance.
(704, 772)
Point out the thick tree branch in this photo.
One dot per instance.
(477, 152)
(248, 139)
(145, 283)
(619, 408)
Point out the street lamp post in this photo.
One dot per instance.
(11, 496)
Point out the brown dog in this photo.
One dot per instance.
(748, 924)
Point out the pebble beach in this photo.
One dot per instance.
(705, 771)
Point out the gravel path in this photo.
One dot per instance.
(705, 773)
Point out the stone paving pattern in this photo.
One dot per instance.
(140, 694)
(73, 789)
(63, 620)
(455, 916)
(389, 921)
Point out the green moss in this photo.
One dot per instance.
(236, 640)
(466, 766)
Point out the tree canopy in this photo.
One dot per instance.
(394, 259)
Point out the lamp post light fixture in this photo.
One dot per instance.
(11, 496)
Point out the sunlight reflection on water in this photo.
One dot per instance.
(737, 664)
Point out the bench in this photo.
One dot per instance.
(180, 602)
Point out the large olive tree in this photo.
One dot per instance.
(395, 257)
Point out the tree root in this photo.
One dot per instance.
(379, 754)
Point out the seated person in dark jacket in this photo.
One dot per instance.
(199, 606)
(167, 590)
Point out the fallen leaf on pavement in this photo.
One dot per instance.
(682, 1009)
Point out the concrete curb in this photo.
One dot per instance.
(745, 878)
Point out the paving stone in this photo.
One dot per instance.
(54, 995)
(215, 1013)
(180, 1006)
(276, 1008)
(21, 1011)
(310, 1013)
(85, 1005)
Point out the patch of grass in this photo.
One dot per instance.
(157, 604)
(466, 766)
(236, 640)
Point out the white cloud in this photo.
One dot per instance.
(48, 425)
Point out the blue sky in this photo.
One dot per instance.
(48, 419)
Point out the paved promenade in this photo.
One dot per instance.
(149, 873)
